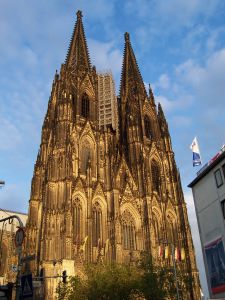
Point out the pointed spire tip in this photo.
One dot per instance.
(127, 36)
(79, 14)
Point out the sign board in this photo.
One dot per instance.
(215, 258)
(27, 286)
(19, 237)
(36, 283)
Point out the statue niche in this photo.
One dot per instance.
(87, 154)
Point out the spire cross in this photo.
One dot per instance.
(79, 14)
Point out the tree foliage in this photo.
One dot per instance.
(120, 282)
(156, 282)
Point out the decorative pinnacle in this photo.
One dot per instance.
(79, 14)
(127, 36)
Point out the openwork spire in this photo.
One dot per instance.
(162, 120)
(161, 113)
(131, 79)
(78, 56)
(151, 95)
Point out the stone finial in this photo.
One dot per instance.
(127, 36)
(79, 14)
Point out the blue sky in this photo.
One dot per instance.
(180, 49)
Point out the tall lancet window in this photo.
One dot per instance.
(171, 229)
(97, 225)
(128, 231)
(155, 227)
(77, 217)
(86, 154)
(85, 109)
(148, 129)
(155, 176)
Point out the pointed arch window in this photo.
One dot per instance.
(77, 217)
(97, 225)
(128, 232)
(85, 156)
(171, 230)
(85, 106)
(155, 176)
(148, 129)
(156, 230)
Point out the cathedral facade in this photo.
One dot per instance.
(101, 194)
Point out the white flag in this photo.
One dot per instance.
(196, 153)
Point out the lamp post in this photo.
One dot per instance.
(175, 270)
(174, 266)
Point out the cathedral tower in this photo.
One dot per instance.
(101, 193)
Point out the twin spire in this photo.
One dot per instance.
(78, 58)
(131, 79)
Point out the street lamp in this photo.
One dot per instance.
(174, 265)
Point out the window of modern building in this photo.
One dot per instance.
(223, 208)
(223, 168)
(218, 178)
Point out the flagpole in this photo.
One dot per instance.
(175, 271)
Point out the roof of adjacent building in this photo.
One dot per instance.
(13, 212)
(208, 166)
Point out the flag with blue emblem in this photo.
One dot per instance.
(196, 153)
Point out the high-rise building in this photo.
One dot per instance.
(208, 190)
(107, 101)
(95, 189)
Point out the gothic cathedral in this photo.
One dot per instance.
(104, 193)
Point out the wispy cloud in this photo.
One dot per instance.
(207, 80)
(9, 135)
(105, 56)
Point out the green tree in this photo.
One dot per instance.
(103, 282)
(121, 282)
(156, 282)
